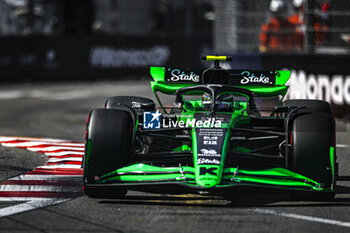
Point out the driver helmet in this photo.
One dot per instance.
(206, 101)
(224, 103)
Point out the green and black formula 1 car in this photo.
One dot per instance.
(213, 139)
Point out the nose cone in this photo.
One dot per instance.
(209, 149)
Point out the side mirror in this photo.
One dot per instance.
(280, 109)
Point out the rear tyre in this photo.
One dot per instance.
(108, 147)
(312, 139)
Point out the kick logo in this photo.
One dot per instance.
(151, 120)
(211, 171)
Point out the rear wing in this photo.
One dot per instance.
(263, 83)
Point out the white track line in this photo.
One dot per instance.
(302, 217)
(6, 139)
(39, 188)
(342, 145)
(48, 177)
(48, 146)
(64, 153)
(11, 94)
(53, 148)
(31, 144)
(55, 160)
(74, 166)
(29, 205)
(24, 198)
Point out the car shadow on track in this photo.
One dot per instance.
(239, 199)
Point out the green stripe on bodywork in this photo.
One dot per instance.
(157, 73)
(271, 181)
(182, 148)
(167, 88)
(136, 124)
(331, 155)
(267, 91)
(144, 168)
(171, 88)
(282, 76)
(268, 172)
(87, 153)
(135, 178)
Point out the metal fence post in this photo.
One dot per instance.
(309, 42)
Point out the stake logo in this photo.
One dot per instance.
(251, 78)
(151, 120)
(181, 76)
(135, 104)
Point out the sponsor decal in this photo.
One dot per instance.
(210, 171)
(333, 89)
(151, 120)
(208, 161)
(210, 140)
(210, 143)
(208, 156)
(253, 78)
(110, 57)
(181, 76)
(135, 104)
(209, 153)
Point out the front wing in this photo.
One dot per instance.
(141, 175)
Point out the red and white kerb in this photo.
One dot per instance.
(60, 179)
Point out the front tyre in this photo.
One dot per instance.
(313, 150)
(108, 147)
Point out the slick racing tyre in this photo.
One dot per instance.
(134, 102)
(109, 137)
(313, 138)
(314, 105)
